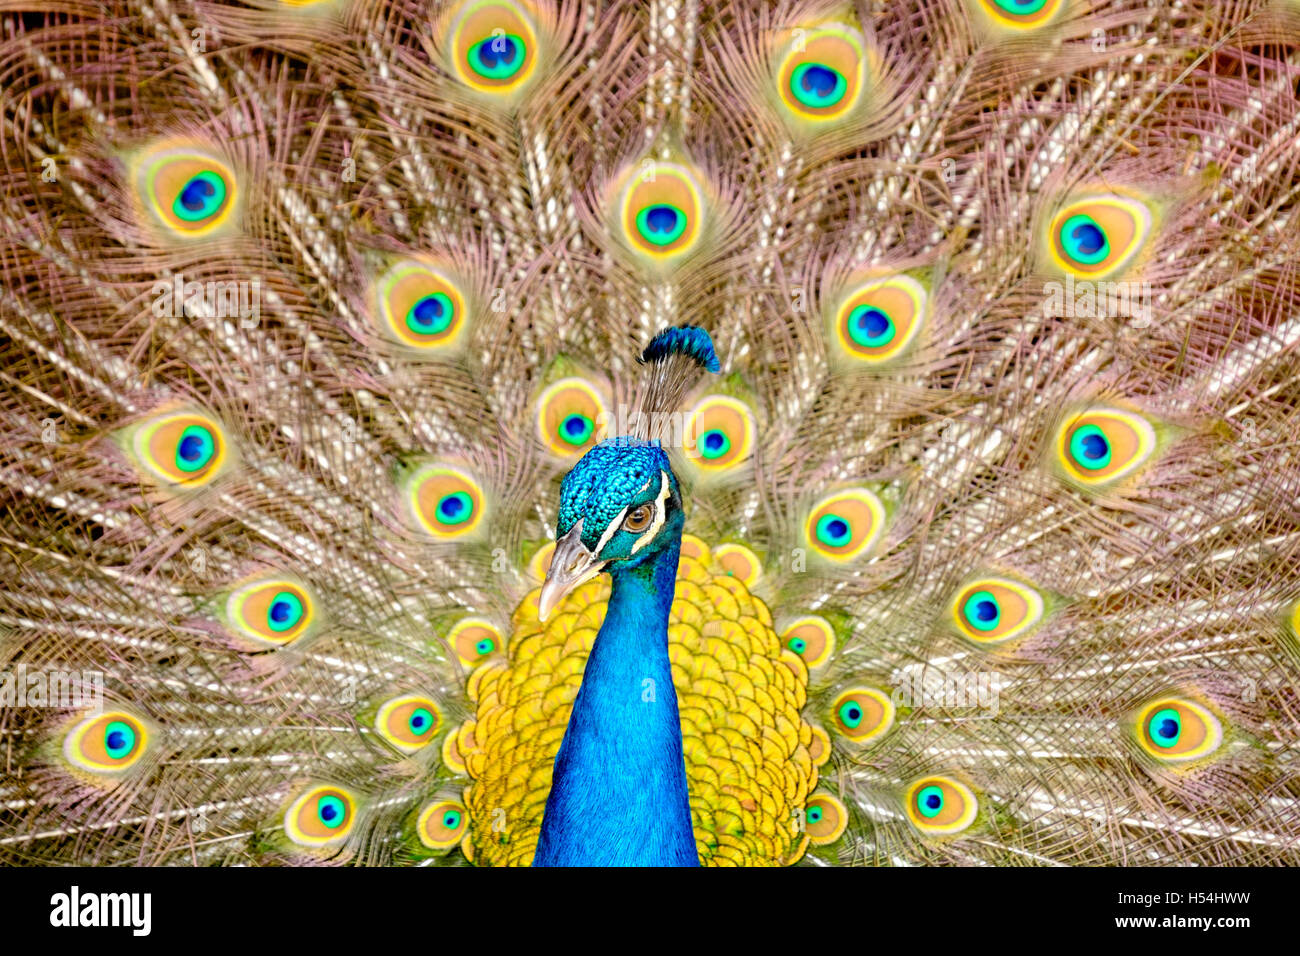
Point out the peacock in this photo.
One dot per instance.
(650, 432)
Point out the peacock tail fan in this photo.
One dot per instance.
(968, 327)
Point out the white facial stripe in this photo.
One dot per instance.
(610, 531)
(661, 515)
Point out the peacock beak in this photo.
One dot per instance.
(572, 564)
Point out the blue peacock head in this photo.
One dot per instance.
(620, 506)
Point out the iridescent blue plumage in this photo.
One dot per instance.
(688, 340)
(618, 793)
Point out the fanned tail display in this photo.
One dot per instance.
(735, 433)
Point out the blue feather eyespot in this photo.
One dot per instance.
(201, 197)
(445, 501)
(862, 714)
(817, 86)
(473, 639)
(1178, 730)
(719, 434)
(1099, 236)
(845, 525)
(419, 306)
(994, 610)
(822, 74)
(661, 210)
(270, 610)
(185, 189)
(940, 806)
(1019, 15)
(408, 722)
(879, 318)
(825, 819)
(196, 449)
(812, 638)
(569, 413)
(441, 824)
(493, 46)
(431, 314)
(498, 57)
(107, 743)
(183, 450)
(321, 816)
(1101, 445)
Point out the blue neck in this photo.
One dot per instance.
(618, 795)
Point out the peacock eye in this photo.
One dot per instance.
(992, 610)
(494, 46)
(408, 722)
(661, 210)
(475, 638)
(445, 501)
(812, 638)
(322, 815)
(822, 78)
(1018, 16)
(441, 825)
(863, 713)
(270, 611)
(185, 450)
(824, 819)
(638, 519)
(1096, 237)
(107, 743)
(189, 191)
(1174, 729)
(876, 321)
(940, 806)
(719, 433)
(846, 524)
(1103, 445)
(568, 414)
(419, 307)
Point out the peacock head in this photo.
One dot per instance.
(619, 507)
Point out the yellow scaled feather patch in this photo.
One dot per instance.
(749, 754)
(940, 806)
